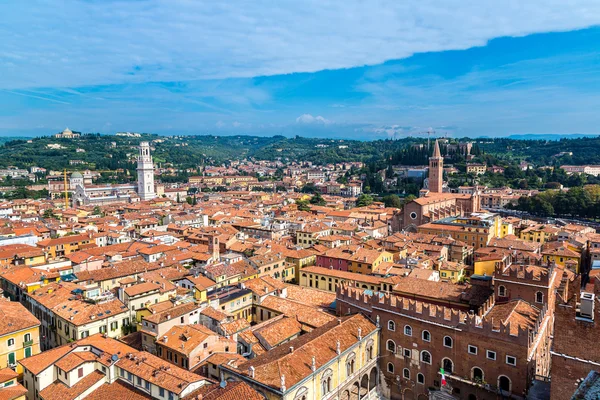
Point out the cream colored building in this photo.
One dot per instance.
(335, 361)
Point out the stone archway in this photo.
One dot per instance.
(355, 391)
(373, 378)
(364, 385)
(345, 395)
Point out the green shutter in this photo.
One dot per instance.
(27, 352)
(11, 359)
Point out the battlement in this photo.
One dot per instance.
(525, 273)
(480, 323)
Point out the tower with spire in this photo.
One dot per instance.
(436, 170)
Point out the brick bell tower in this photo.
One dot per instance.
(436, 170)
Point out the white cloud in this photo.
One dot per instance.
(76, 43)
(309, 119)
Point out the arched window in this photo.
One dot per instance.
(391, 326)
(477, 374)
(504, 383)
(391, 345)
(390, 368)
(27, 337)
(369, 349)
(501, 291)
(448, 365)
(426, 357)
(539, 297)
(326, 382)
(407, 330)
(350, 362)
(406, 373)
(420, 379)
(426, 336)
(301, 394)
(448, 341)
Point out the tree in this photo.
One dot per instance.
(97, 211)
(302, 205)
(392, 200)
(364, 200)
(49, 213)
(318, 200)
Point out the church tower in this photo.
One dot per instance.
(436, 170)
(145, 171)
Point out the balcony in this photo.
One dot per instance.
(27, 343)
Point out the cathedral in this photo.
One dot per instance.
(113, 194)
(434, 204)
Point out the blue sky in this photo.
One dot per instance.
(352, 69)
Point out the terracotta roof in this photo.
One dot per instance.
(12, 392)
(320, 345)
(117, 390)
(158, 371)
(304, 314)
(232, 391)
(15, 317)
(58, 390)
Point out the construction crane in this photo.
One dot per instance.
(66, 190)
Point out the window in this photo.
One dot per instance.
(102, 329)
(390, 368)
(391, 346)
(350, 366)
(539, 297)
(406, 352)
(448, 365)
(472, 349)
(129, 377)
(408, 330)
(510, 360)
(139, 381)
(391, 326)
(406, 373)
(501, 291)
(420, 379)
(11, 342)
(85, 334)
(122, 371)
(491, 355)
(425, 357)
(80, 373)
(448, 341)
(147, 385)
(426, 336)
(161, 392)
(27, 337)
(27, 352)
(477, 374)
(504, 383)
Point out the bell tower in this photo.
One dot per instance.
(145, 171)
(436, 170)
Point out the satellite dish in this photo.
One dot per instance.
(114, 357)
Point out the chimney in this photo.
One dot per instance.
(291, 349)
(165, 339)
(314, 364)
(338, 349)
(251, 372)
(359, 334)
(168, 317)
(283, 388)
(586, 305)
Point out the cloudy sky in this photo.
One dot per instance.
(360, 69)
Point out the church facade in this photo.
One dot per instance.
(434, 204)
(112, 194)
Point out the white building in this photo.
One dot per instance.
(145, 170)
